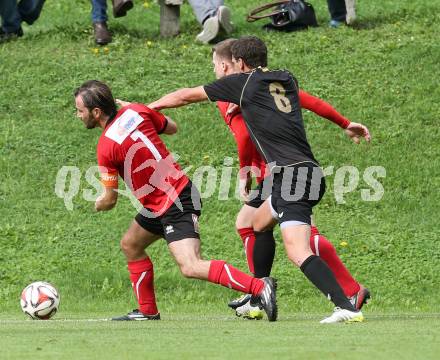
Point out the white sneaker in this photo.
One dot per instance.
(343, 315)
(350, 6)
(249, 312)
(213, 25)
(211, 28)
(224, 18)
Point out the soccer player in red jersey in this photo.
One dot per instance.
(269, 102)
(260, 246)
(130, 147)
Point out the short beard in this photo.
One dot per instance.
(90, 123)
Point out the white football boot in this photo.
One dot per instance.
(250, 312)
(343, 315)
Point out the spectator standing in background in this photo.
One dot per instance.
(341, 12)
(211, 14)
(13, 14)
(99, 18)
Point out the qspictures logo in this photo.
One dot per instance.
(214, 182)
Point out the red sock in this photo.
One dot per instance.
(248, 237)
(142, 280)
(325, 249)
(224, 274)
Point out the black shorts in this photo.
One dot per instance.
(257, 196)
(176, 224)
(296, 189)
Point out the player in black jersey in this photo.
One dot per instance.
(270, 106)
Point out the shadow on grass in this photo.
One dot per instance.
(81, 31)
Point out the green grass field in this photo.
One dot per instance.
(383, 72)
(214, 336)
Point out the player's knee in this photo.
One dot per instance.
(128, 245)
(123, 245)
(244, 218)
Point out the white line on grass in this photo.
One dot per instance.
(287, 317)
(51, 320)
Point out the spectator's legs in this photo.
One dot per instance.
(30, 10)
(337, 10)
(99, 18)
(11, 20)
(204, 9)
(350, 6)
(99, 11)
(213, 16)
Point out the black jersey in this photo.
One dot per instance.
(269, 102)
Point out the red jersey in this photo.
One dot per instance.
(130, 147)
(247, 152)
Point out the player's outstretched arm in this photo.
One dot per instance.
(179, 98)
(322, 109)
(355, 131)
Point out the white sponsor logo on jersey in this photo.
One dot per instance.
(124, 126)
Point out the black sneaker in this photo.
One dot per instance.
(136, 315)
(236, 303)
(360, 298)
(267, 298)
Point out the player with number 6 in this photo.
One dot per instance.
(270, 106)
